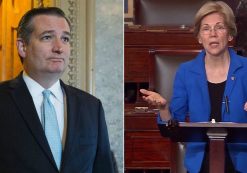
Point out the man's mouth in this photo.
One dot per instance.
(56, 59)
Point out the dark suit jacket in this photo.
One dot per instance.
(23, 145)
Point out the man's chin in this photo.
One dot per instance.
(56, 71)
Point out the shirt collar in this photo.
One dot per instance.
(56, 90)
(36, 89)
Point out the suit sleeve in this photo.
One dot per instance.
(103, 160)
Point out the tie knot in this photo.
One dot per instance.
(46, 93)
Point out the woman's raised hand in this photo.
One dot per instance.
(153, 98)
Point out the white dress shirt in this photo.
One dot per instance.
(56, 98)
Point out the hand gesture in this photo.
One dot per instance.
(153, 98)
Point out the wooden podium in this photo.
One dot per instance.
(217, 134)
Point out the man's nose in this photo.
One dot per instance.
(57, 46)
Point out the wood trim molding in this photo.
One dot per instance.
(73, 62)
(80, 70)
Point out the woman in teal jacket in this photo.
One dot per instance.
(211, 86)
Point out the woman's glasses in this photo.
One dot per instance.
(218, 28)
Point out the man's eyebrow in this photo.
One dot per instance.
(47, 32)
(67, 33)
(52, 31)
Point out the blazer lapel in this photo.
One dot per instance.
(72, 119)
(26, 106)
(235, 64)
(198, 71)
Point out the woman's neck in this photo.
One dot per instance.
(217, 67)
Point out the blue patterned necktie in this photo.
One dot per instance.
(50, 126)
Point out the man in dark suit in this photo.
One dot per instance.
(76, 140)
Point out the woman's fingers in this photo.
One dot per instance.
(153, 98)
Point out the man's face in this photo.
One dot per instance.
(48, 50)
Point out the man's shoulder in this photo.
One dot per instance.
(79, 94)
(6, 84)
(6, 87)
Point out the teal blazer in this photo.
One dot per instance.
(190, 96)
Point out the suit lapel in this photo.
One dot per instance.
(26, 106)
(72, 119)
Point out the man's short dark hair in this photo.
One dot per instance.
(25, 27)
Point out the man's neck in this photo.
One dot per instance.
(45, 81)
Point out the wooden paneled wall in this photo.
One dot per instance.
(11, 12)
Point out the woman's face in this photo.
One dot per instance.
(214, 34)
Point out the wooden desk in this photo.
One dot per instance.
(217, 134)
(144, 147)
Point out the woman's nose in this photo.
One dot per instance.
(213, 32)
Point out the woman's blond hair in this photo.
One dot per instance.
(216, 7)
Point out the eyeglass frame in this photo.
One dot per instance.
(218, 28)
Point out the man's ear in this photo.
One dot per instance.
(21, 47)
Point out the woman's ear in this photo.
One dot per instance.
(21, 47)
(230, 38)
(199, 38)
(199, 41)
